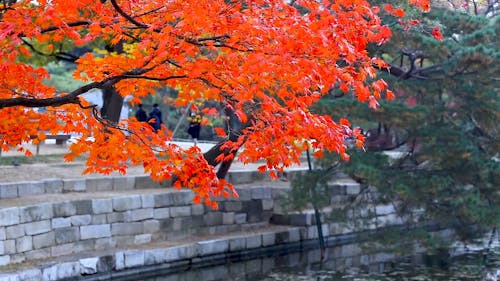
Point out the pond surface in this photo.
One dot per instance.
(348, 262)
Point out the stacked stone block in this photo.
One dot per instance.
(54, 229)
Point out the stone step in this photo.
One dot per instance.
(52, 225)
(11, 190)
(98, 264)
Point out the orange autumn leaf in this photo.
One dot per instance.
(220, 132)
(436, 33)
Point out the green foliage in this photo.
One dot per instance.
(60, 77)
(447, 119)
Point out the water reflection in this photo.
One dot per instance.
(346, 262)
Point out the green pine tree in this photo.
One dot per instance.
(435, 148)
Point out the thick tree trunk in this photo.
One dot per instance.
(112, 104)
(235, 128)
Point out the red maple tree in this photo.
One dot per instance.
(265, 61)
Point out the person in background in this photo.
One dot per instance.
(155, 119)
(194, 126)
(141, 114)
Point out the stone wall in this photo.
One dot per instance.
(123, 217)
(68, 224)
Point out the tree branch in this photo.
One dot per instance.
(127, 16)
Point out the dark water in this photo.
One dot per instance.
(347, 263)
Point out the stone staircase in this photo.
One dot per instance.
(97, 227)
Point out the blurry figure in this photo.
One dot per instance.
(155, 119)
(194, 126)
(141, 114)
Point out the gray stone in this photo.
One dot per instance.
(38, 254)
(163, 200)
(123, 183)
(88, 265)
(30, 188)
(213, 247)
(187, 251)
(181, 211)
(102, 206)
(105, 243)
(30, 275)
(2, 247)
(312, 232)
(64, 209)
(95, 231)
(9, 246)
(134, 258)
(127, 203)
(75, 247)
(267, 204)
(156, 256)
(44, 240)
(282, 237)
(303, 219)
(237, 244)
(238, 177)
(8, 190)
(18, 258)
(119, 261)
(9, 276)
(381, 210)
(63, 249)
(4, 260)
(68, 269)
(83, 207)
(233, 206)
(24, 244)
(390, 219)
(268, 239)
(14, 231)
(35, 213)
(99, 184)
(261, 193)
(197, 209)
(240, 218)
(3, 234)
(74, 185)
(49, 273)
(124, 240)
(227, 218)
(106, 263)
(9, 216)
(67, 235)
(142, 239)
(139, 214)
(53, 186)
(182, 197)
(61, 222)
(353, 189)
(99, 219)
(37, 227)
(148, 201)
(253, 241)
(245, 194)
(145, 182)
(128, 228)
(212, 218)
(115, 217)
(151, 226)
(161, 213)
(81, 220)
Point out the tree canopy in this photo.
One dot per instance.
(266, 62)
(442, 126)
